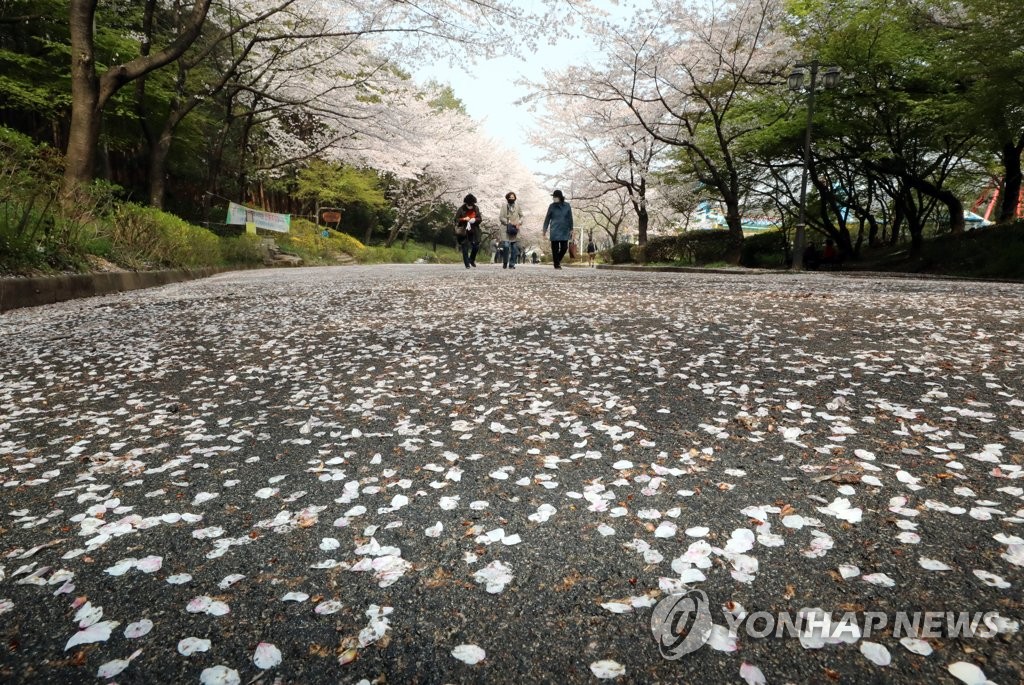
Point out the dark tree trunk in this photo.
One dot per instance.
(642, 221)
(872, 231)
(1011, 182)
(90, 92)
(734, 221)
(84, 132)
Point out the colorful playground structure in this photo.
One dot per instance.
(989, 197)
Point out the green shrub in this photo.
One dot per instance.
(619, 253)
(662, 249)
(703, 247)
(241, 249)
(145, 237)
(990, 252)
(766, 249)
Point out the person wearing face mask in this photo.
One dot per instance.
(467, 229)
(511, 218)
(559, 221)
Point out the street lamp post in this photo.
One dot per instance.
(830, 77)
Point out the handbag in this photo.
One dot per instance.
(511, 231)
(572, 250)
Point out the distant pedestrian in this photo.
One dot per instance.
(511, 218)
(591, 250)
(467, 229)
(559, 221)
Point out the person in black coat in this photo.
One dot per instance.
(467, 229)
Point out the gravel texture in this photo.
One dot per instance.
(427, 474)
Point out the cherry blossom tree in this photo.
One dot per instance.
(421, 30)
(684, 72)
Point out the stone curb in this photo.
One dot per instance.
(786, 272)
(688, 270)
(16, 293)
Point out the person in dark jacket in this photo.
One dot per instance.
(559, 221)
(467, 229)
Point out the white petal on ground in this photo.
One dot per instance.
(875, 653)
(190, 645)
(933, 565)
(752, 674)
(697, 531)
(841, 509)
(295, 597)
(138, 629)
(968, 673)
(607, 669)
(721, 639)
(266, 656)
(230, 580)
(219, 675)
(434, 531)
(179, 579)
(991, 579)
(121, 567)
(666, 529)
(495, 576)
(98, 632)
(617, 607)
(203, 497)
(150, 564)
(469, 654)
(916, 645)
(879, 579)
(543, 513)
(330, 606)
(116, 666)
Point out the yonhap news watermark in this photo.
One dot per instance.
(683, 623)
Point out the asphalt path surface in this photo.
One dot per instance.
(428, 474)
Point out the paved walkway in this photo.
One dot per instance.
(424, 474)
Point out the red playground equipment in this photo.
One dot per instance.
(989, 196)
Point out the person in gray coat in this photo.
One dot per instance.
(511, 218)
(559, 221)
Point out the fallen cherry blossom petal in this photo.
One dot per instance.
(469, 654)
(607, 669)
(968, 673)
(98, 632)
(219, 675)
(875, 653)
(190, 645)
(752, 674)
(138, 629)
(266, 656)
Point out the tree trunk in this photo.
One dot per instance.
(642, 221)
(734, 221)
(1011, 182)
(157, 172)
(872, 231)
(84, 131)
(89, 92)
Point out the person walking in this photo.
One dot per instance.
(467, 229)
(559, 221)
(591, 250)
(511, 217)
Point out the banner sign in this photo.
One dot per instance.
(240, 215)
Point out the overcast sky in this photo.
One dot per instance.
(489, 92)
